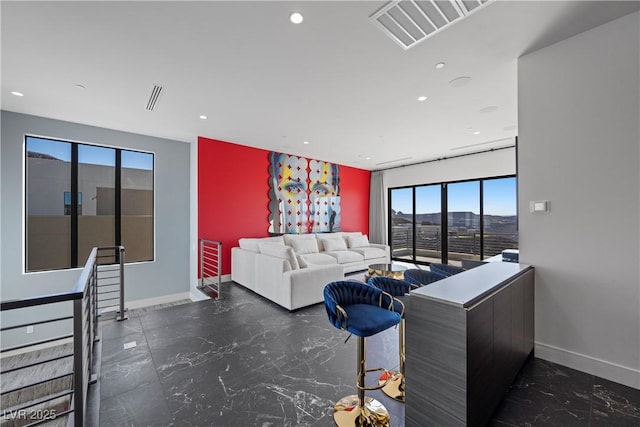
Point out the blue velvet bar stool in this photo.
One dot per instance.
(420, 277)
(393, 382)
(445, 269)
(363, 311)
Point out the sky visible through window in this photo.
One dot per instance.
(499, 198)
(90, 154)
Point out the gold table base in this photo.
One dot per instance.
(348, 413)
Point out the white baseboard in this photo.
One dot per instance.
(157, 300)
(600, 368)
(197, 296)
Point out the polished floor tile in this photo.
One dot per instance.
(243, 361)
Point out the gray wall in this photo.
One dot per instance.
(168, 275)
(579, 138)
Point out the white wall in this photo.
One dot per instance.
(480, 165)
(474, 166)
(579, 140)
(168, 275)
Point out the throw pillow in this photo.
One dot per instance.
(361, 241)
(289, 238)
(279, 251)
(251, 244)
(305, 246)
(334, 244)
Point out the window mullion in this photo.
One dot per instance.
(74, 205)
(444, 224)
(481, 219)
(118, 199)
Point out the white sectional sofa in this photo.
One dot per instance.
(292, 270)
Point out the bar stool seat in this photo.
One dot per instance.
(363, 311)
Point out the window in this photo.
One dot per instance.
(480, 221)
(428, 223)
(500, 215)
(463, 221)
(79, 196)
(402, 223)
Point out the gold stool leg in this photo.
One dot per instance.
(358, 410)
(394, 387)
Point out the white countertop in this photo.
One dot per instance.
(466, 288)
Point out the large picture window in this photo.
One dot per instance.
(79, 196)
(454, 221)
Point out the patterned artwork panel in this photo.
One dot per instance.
(304, 195)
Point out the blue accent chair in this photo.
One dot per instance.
(445, 269)
(363, 311)
(418, 277)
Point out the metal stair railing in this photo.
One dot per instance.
(33, 401)
(211, 266)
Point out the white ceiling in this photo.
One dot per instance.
(335, 80)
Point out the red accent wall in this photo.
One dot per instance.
(354, 199)
(233, 195)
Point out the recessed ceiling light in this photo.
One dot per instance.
(80, 86)
(296, 17)
(17, 93)
(305, 142)
(477, 132)
(460, 81)
(203, 117)
(440, 65)
(367, 158)
(422, 98)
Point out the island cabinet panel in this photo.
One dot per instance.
(467, 337)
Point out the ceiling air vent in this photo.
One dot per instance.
(154, 97)
(408, 22)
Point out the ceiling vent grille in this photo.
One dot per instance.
(409, 22)
(154, 97)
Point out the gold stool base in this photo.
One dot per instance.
(348, 413)
(394, 387)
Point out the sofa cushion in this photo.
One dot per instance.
(370, 252)
(323, 236)
(304, 246)
(345, 257)
(305, 260)
(279, 251)
(251, 244)
(290, 238)
(356, 241)
(335, 244)
(346, 234)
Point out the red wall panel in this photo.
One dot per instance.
(354, 199)
(233, 195)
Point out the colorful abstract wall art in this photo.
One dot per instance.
(304, 195)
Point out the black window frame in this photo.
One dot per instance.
(74, 190)
(444, 226)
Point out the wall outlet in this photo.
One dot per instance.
(30, 329)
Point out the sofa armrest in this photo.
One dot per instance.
(242, 265)
(385, 248)
(306, 285)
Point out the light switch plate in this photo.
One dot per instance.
(537, 206)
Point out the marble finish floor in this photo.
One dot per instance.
(243, 361)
